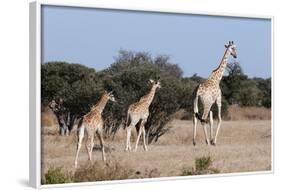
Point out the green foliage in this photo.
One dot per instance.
(231, 84)
(238, 89)
(264, 86)
(129, 77)
(249, 93)
(56, 176)
(203, 163)
(73, 83)
(202, 166)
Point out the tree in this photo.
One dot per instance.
(264, 85)
(129, 76)
(249, 93)
(162, 62)
(70, 89)
(231, 83)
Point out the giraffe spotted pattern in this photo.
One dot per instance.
(209, 92)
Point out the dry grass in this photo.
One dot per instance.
(234, 113)
(98, 171)
(249, 113)
(243, 146)
(48, 119)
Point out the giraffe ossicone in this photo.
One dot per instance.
(209, 92)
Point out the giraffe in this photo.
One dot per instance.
(209, 93)
(139, 112)
(92, 123)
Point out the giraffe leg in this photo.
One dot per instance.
(143, 137)
(100, 136)
(211, 126)
(219, 121)
(194, 129)
(206, 134)
(138, 138)
(80, 139)
(204, 118)
(128, 142)
(90, 145)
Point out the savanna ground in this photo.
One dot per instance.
(244, 145)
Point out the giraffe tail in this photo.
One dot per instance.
(198, 117)
(195, 107)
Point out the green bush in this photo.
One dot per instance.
(56, 176)
(202, 166)
(203, 163)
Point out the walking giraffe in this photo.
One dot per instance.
(92, 123)
(139, 112)
(209, 92)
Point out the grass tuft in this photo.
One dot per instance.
(202, 166)
(203, 163)
(98, 171)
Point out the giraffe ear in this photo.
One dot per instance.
(151, 81)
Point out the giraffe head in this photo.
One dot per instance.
(155, 84)
(110, 96)
(231, 48)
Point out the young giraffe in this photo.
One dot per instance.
(139, 112)
(209, 92)
(92, 123)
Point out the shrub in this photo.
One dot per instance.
(98, 171)
(203, 163)
(56, 176)
(202, 166)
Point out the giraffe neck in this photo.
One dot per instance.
(149, 97)
(218, 72)
(100, 105)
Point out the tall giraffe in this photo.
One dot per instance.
(92, 123)
(139, 112)
(209, 92)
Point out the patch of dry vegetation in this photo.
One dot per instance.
(235, 113)
(99, 171)
(243, 146)
(248, 113)
(48, 119)
(202, 166)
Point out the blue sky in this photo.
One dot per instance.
(93, 37)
